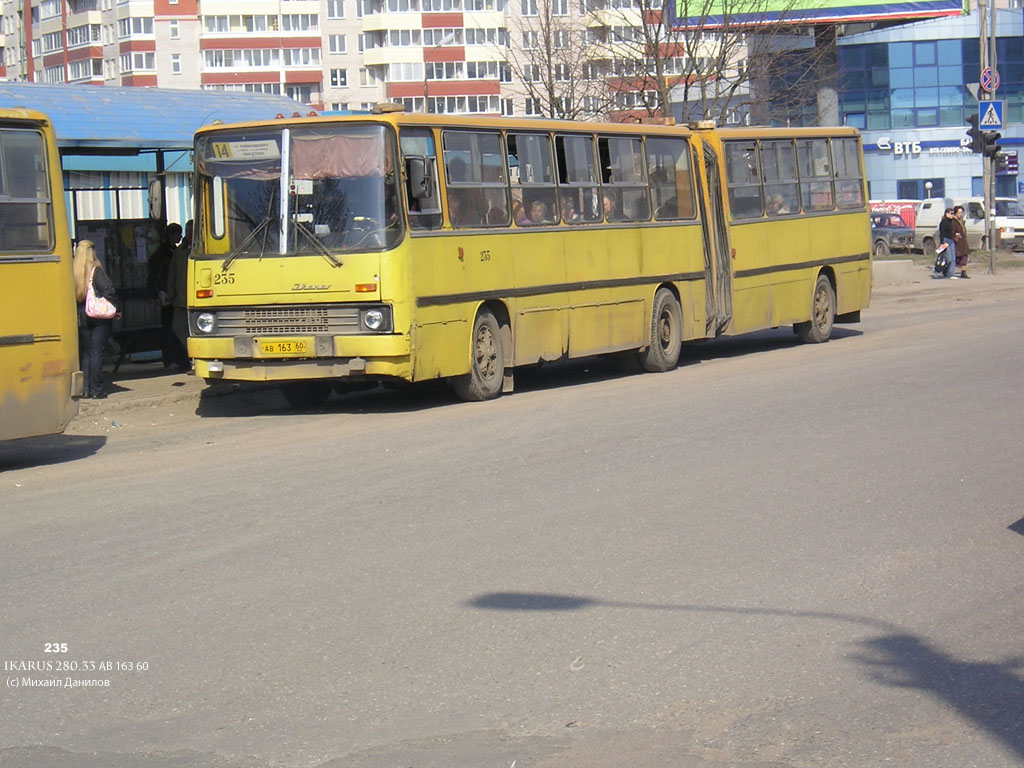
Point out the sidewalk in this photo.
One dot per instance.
(148, 385)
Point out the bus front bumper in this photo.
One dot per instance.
(240, 358)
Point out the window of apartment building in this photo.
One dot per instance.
(339, 106)
(134, 25)
(301, 57)
(335, 9)
(530, 40)
(299, 22)
(443, 36)
(445, 70)
(441, 5)
(560, 7)
(175, 29)
(53, 41)
(216, 24)
(528, 7)
(301, 93)
(259, 23)
(367, 77)
(560, 39)
(53, 75)
(83, 35)
(403, 6)
(531, 107)
(50, 9)
(339, 78)
(507, 108)
(485, 5)
(176, 63)
(405, 37)
(406, 71)
(137, 61)
(336, 43)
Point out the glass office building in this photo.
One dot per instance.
(908, 89)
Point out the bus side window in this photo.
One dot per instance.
(668, 173)
(424, 209)
(815, 174)
(623, 174)
(577, 178)
(474, 163)
(744, 180)
(533, 180)
(778, 171)
(849, 183)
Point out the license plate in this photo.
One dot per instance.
(285, 348)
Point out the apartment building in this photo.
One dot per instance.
(450, 56)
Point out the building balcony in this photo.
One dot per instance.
(380, 22)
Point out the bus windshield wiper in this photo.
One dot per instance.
(303, 230)
(237, 250)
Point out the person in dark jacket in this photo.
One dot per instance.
(93, 333)
(157, 272)
(946, 238)
(963, 250)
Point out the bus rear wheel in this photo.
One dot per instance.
(306, 394)
(487, 368)
(666, 334)
(823, 313)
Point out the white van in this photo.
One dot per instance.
(1009, 221)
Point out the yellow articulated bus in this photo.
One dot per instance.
(334, 250)
(39, 374)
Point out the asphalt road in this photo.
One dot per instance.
(777, 555)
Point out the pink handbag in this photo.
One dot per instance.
(97, 307)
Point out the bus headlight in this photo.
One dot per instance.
(206, 322)
(374, 319)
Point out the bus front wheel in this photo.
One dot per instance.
(666, 333)
(823, 313)
(487, 368)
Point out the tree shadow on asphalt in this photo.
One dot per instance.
(50, 449)
(265, 399)
(990, 694)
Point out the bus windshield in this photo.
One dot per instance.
(337, 192)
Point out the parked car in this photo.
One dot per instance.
(889, 232)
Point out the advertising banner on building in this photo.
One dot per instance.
(717, 13)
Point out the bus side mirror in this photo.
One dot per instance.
(418, 177)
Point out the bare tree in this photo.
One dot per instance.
(721, 59)
(551, 63)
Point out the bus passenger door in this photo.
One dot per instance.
(717, 260)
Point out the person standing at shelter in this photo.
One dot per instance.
(177, 298)
(963, 250)
(946, 238)
(94, 333)
(157, 271)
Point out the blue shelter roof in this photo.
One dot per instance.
(109, 119)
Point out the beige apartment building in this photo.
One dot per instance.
(452, 56)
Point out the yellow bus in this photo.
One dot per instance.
(337, 250)
(39, 374)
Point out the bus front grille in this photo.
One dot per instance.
(289, 321)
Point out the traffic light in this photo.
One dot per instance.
(989, 147)
(974, 132)
(1002, 164)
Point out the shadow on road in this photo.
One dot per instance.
(265, 399)
(991, 694)
(52, 449)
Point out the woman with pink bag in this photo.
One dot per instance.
(95, 294)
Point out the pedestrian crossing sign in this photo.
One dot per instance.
(990, 114)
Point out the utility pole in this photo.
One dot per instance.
(990, 159)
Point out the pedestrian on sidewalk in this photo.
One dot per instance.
(94, 332)
(963, 250)
(177, 296)
(157, 271)
(946, 239)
